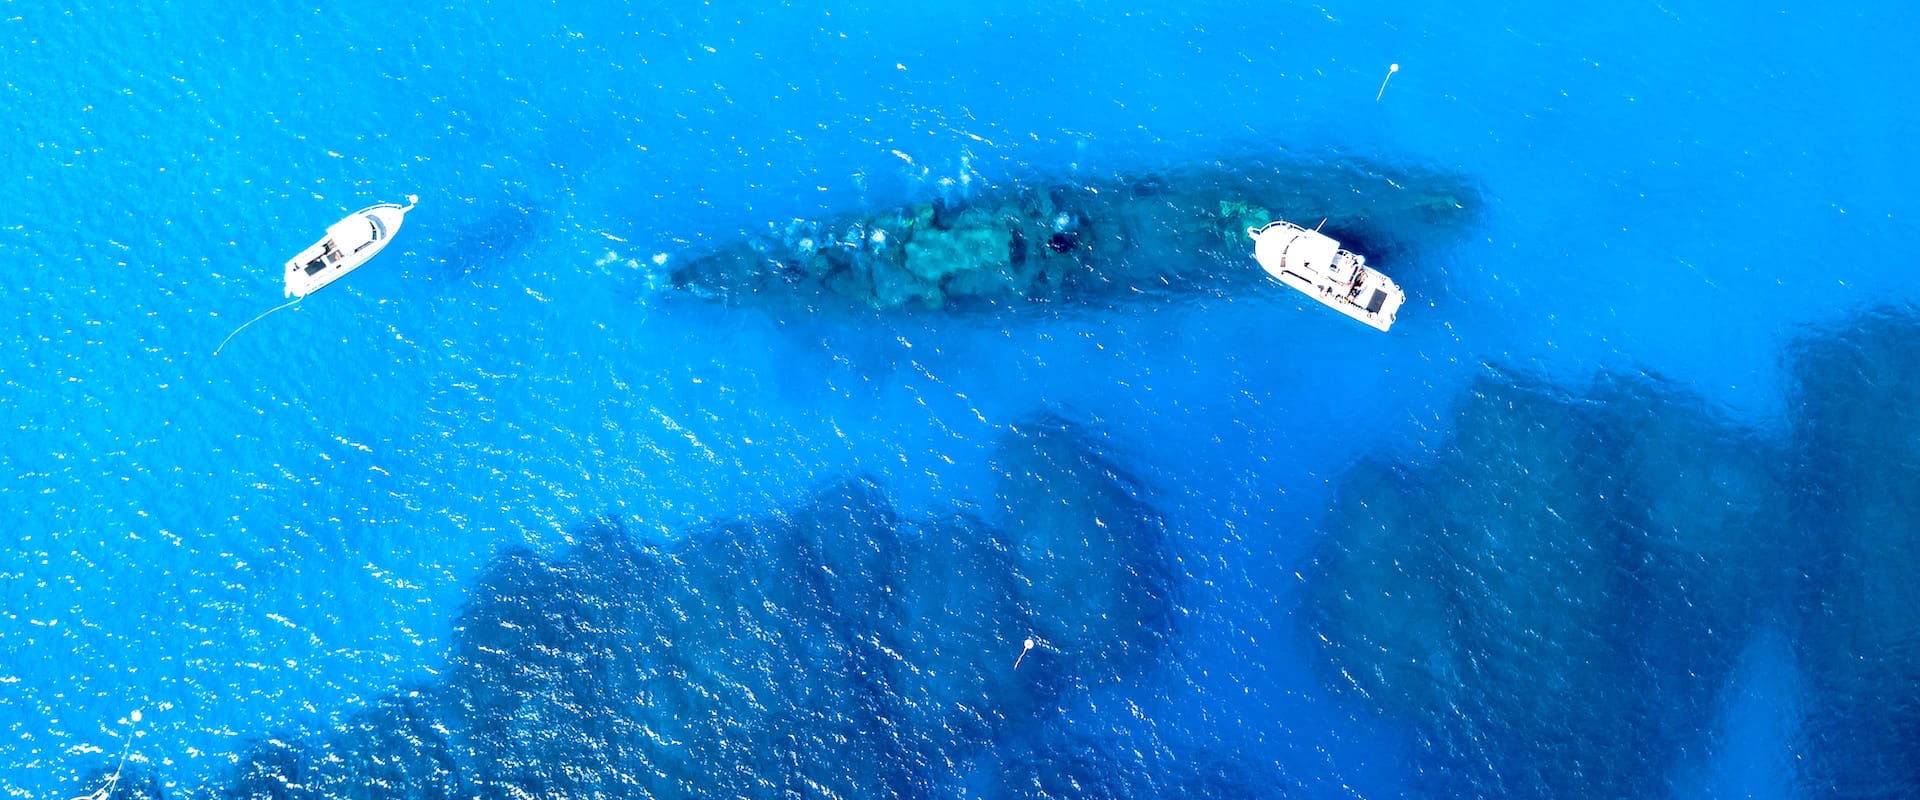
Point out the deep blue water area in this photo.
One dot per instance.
(1622, 506)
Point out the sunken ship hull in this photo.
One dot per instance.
(1080, 240)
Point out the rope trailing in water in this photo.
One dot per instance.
(105, 792)
(236, 331)
(1391, 68)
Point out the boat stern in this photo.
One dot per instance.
(304, 268)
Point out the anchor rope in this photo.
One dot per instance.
(263, 315)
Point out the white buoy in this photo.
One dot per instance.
(1391, 68)
(1023, 654)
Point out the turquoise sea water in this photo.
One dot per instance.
(1623, 506)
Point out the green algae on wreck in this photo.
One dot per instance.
(1078, 239)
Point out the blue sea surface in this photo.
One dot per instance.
(1624, 505)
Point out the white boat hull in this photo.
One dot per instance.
(348, 243)
(1314, 265)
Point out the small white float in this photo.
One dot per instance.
(1313, 264)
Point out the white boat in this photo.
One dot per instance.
(348, 244)
(1313, 263)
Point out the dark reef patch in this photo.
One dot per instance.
(273, 769)
(837, 650)
(834, 650)
(129, 781)
(1856, 402)
(396, 750)
(1065, 765)
(1081, 539)
(1081, 240)
(501, 229)
(1555, 603)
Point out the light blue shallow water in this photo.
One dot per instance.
(265, 545)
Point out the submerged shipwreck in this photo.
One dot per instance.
(1078, 240)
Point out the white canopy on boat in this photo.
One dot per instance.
(1297, 249)
(1311, 250)
(350, 233)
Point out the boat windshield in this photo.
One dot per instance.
(377, 230)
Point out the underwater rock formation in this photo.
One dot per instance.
(397, 749)
(835, 650)
(500, 230)
(273, 769)
(1084, 240)
(1856, 398)
(1080, 539)
(1070, 766)
(123, 781)
(1554, 604)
